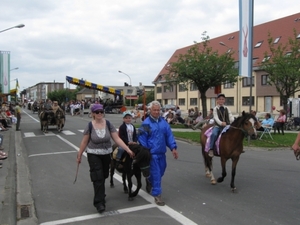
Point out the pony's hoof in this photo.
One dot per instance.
(208, 175)
(233, 189)
(130, 199)
(112, 185)
(125, 191)
(213, 182)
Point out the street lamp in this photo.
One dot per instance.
(17, 26)
(130, 83)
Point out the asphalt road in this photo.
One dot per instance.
(267, 185)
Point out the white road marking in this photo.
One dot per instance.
(51, 153)
(68, 132)
(49, 133)
(30, 116)
(97, 215)
(29, 134)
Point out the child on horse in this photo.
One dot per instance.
(222, 117)
(127, 133)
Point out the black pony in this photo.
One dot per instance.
(137, 166)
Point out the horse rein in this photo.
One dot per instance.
(245, 132)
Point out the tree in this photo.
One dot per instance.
(149, 97)
(204, 67)
(282, 64)
(63, 95)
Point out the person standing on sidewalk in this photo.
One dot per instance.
(18, 114)
(155, 134)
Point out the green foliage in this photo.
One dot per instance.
(149, 98)
(62, 95)
(285, 140)
(283, 66)
(204, 67)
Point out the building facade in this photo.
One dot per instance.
(40, 91)
(264, 96)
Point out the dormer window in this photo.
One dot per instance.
(276, 40)
(258, 44)
(266, 58)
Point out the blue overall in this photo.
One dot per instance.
(156, 135)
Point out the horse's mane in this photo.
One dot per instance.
(238, 122)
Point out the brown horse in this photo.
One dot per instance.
(230, 145)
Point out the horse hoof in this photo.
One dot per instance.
(130, 198)
(233, 189)
(208, 175)
(112, 185)
(126, 191)
(213, 182)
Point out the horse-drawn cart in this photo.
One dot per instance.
(52, 118)
(35, 107)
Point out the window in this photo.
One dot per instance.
(266, 58)
(247, 81)
(246, 100)
(265, 79)
(193, 87)
(288, 54)
(165, 101)
(182, 88)
(158, 89)
(230, 101)
(193, 101)
(181, 101)
(276, 40)
(168, 88)
(129, 91)
(258, 44)
(228, 85)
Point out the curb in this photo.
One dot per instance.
(25, 205)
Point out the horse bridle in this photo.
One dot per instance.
(245, 132)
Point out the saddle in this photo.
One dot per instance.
(217, 143)
(114, 155)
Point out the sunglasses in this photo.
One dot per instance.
(100, 111)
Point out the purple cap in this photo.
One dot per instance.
(97, 107)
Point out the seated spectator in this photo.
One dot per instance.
(189, 118)
(170, 116)
(279, 123)
(137, 116)
(205, 121)
(267, 122)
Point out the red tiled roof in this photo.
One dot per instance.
(283, 27)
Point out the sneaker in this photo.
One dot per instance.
(211, 153)
(159, 201)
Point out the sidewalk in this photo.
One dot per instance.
(17, 206)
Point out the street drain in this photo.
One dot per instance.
(24, 211)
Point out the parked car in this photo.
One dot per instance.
(167, 107)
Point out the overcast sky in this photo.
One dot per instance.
(94, 39)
